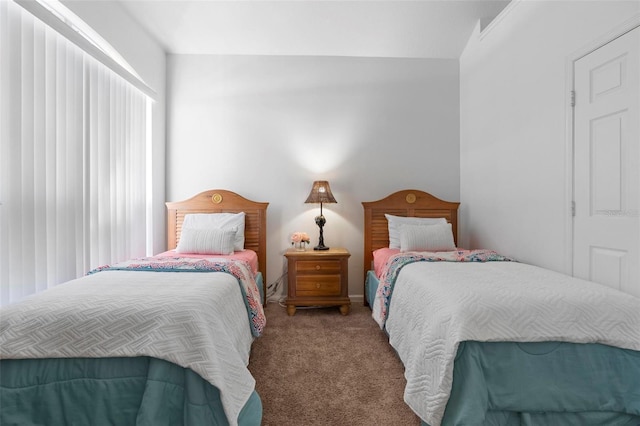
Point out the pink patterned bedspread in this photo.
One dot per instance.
(249, 256)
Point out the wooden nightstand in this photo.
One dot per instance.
(318, 278)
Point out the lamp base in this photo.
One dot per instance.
(320, 221)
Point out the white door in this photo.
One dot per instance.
(607, 162)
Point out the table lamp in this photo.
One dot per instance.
(320, 193)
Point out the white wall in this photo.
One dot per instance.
(268, 126)
(148, 59)
(513, 140)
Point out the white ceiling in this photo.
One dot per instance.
(409, 29)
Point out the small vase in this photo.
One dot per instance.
(301, 246)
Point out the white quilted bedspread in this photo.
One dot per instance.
(437, 305)
(193, 319)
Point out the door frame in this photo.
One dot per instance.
(618, 31)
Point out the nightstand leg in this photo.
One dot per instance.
(344, 309)
(291, 310)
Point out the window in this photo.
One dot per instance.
(72, 159)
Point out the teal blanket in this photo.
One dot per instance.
(111, 391)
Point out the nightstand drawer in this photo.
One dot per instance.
(318, 285)
(318, 266)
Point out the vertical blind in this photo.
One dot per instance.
(72, 160)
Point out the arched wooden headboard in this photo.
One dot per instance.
(409, 203)
(223, 201)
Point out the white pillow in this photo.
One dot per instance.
(426, 238)
(218, 221)
(206, 241)
(396, 221)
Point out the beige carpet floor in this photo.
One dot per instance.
(321, 368)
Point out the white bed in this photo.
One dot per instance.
(486, 340)
(200, 319)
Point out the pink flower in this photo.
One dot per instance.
(300, 237)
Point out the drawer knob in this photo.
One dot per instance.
(318, 285)
(317, 267)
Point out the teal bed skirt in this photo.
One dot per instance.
(370, 287)
(541, 383)
(259, 283)
(111, 391)
(544, 383)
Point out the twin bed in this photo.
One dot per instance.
(487, 340)
(156, 341)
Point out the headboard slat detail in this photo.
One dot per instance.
(223, 201)
(409, 203)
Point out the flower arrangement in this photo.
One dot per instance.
(299, 239)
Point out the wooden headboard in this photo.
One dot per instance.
(409, 203)
(222, 201)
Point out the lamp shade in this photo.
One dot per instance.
(321, 193)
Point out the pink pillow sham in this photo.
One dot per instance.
(380, 257)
